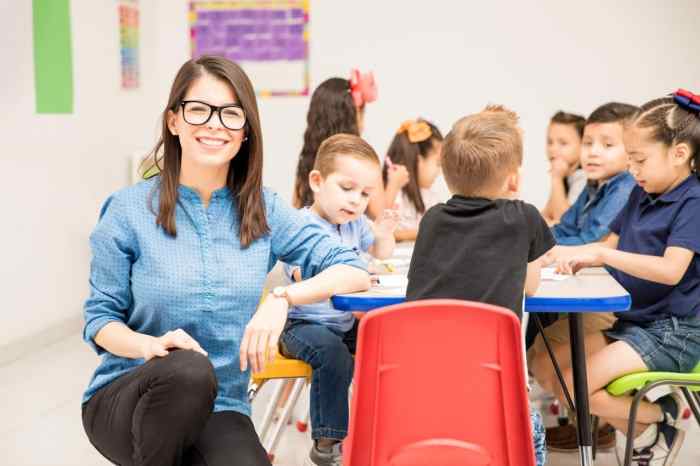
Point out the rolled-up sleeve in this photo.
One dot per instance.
(113, 248)
(295, 240)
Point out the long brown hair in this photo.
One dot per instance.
(331, 111)
(244, 178)
(405, 152)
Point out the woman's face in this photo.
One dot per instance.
(210, 145)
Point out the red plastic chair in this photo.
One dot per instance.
(439, 383)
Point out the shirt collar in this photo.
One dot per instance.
(595, 190)
(188, 193)
(673, 195)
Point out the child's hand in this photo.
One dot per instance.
(387, 223)
(572, 264)
(558, 168)
(397, 175)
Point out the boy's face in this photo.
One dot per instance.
(603, 151)
(343, 195)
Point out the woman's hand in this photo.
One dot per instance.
(259, 345)
(397, 176)
(175, 339)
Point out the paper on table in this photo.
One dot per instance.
(551, 274)
(391, 281)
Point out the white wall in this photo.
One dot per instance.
(440, 60)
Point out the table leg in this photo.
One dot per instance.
(578, 364)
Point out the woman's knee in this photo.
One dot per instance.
(190, 374)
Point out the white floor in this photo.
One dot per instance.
(40, 415)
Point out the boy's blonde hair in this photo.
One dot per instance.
(342, 145)
(481, 150)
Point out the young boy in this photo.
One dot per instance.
(482, 245)
(604, 160)
(346, 172)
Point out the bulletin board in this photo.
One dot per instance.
(268, 38)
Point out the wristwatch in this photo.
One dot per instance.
(281, 292)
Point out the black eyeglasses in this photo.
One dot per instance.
(198, 113)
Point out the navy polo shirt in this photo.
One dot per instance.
(648, 225)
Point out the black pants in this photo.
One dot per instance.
(161, 414)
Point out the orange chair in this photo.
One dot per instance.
(478, 412)
(280, 368)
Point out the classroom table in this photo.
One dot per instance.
(590, 290)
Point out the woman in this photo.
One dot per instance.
(178, 267)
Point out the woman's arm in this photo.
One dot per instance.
(120, 340)
(261, 337)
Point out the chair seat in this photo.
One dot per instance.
(636, 381)
(283, 368)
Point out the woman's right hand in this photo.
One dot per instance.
(175, 339)
(397, 176)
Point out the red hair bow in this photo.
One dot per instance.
(687, 100)
(363, 89)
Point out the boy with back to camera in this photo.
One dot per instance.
(482, 244)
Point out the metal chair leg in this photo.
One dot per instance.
(270, 409)
(692, 403)
(271, 443)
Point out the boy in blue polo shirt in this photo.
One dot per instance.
(654, 252)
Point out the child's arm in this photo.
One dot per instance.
(406, 234)
(557, 203)
(383, 229)
(667, 269)
(532, 279)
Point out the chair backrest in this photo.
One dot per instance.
(440, 383)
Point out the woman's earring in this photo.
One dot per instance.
(245, 138)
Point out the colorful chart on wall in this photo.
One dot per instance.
(268, 38)
(129, 42)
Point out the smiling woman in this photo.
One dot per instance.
(179, 262)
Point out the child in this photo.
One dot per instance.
(417, 146)
(345, 173)
(482, 245)
(338, 106)
(564, 153)
(604, 161)
(653, 252)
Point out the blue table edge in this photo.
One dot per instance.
(532, 303)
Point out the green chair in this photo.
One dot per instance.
(643, 382)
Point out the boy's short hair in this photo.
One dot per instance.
(342, 144)
(482, 149)
(571, 119)
(612, 112)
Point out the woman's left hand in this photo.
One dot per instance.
(259, 345)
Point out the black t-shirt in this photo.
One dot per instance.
(477, 249)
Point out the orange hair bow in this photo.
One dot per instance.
(417, 131)
(363, 89)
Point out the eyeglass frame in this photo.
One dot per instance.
(214, 109)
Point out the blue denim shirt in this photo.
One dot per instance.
(589, 219)
(202, 281)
